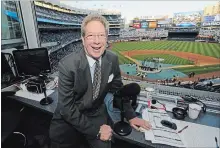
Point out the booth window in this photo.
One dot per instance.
(11, 32)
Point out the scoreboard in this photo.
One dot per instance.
(140, 24)
(151, 24)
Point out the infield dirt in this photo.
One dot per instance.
(199, 60)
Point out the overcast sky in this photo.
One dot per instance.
(131, 9)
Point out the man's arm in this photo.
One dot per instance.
(115, 85)
(69, 110)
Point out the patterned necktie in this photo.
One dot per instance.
(96, 80)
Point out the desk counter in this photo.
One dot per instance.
(209, 119)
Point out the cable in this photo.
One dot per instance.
(25, 139)
(154, 102)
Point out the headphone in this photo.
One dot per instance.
(203, 105)
(194, 100)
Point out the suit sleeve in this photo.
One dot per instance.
(69, 111)
(117, 83)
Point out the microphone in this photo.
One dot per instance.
(126, 93)
(128, 90)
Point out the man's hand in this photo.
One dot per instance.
(137, 122)
(105, 132)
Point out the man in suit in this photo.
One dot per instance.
(85, 77)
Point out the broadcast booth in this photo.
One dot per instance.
(37, 74)
(32, 67)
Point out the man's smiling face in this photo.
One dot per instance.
(95, 39)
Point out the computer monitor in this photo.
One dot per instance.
(7, 76)
(32, 61)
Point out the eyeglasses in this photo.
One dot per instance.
(93, 36)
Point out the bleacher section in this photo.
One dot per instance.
(149, 33)
(210, 33)
(56, 56)
(59, 28)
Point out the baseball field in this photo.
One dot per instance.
(204, 56)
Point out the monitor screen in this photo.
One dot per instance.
(7, 76)
(32, 61)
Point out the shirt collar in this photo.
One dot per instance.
(92, 61)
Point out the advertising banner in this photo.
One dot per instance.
(208, 19)
(211, 24)
(136, 24)
(211, 18)
(144, 24)
(152, 24)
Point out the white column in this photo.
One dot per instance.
(30, 23)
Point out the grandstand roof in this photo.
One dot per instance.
(77, 10)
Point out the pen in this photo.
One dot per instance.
(216, 142)
(182, 129)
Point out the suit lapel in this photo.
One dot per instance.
(85, 71)
(105, 71)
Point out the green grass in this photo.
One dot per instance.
(199, 70)
(168, 59)
(122, 59)
(207, 49)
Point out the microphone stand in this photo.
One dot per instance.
(122, 128)
(47, 100)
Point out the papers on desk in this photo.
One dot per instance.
(196, 135)
(32, 96)
(159, 133)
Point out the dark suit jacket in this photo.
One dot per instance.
(75, 101)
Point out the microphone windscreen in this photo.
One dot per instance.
(131, 89)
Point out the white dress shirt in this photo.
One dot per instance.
(92, 65)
